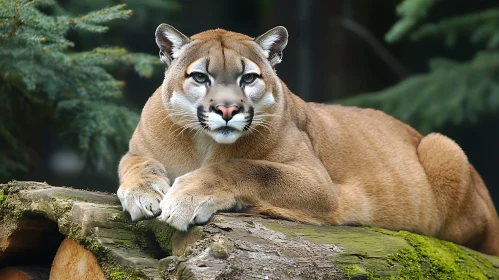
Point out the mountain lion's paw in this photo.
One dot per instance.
(182, 207)
(142, 201)
(182, 210)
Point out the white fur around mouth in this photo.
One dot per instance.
(225, 132)
(226, 135)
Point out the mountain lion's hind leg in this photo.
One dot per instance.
(466, 213)
(143, 183)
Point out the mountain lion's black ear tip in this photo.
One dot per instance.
(282, 30)
(164, 28)
(277, 35)
(160, 29)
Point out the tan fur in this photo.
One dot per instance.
(307, 162)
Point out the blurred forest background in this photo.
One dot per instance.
(74, 75)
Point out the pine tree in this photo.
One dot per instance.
(452, 91)
(44, 82)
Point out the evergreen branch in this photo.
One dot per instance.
(42, 3)
(482, 26)
(411, 13)
(452, 92)
(89, 21)
(143, 64)
(24, 22)
(58, 75)
(74, 89)
(113, 57)
(105, 15)
(98, 127)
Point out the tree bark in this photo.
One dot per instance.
(35, 218)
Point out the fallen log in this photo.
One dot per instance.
(24, 273)
(85, 235)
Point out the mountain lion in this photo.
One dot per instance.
(223, 132)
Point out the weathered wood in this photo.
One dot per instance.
(32, 235)
(24, 273)
(75, 262)
(230, 246)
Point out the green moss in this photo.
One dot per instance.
(18, 213)
(373, 253)
(61, 209)
(120, 274)
(111, 269)
(354, 271)
(4, 192)
(362, 247)
(154, 237)
(358, 241)
(16, 206)
(10, 206)
(380, 230)
(431, 258)
(250, 224)
(164, 237)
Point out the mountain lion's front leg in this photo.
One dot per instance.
(279, 190)
(143, 183)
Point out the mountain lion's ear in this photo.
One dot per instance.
(169, 41)
(272, 43)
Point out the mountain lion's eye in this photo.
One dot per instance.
(248, 78)
(200, 77)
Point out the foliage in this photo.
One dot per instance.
(412, 12)
(45, 82)
(452, 91)
(147, 15)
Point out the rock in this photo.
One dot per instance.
(35, 218)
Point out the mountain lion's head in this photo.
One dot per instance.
(221, 83)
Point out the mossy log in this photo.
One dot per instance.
(35, 218)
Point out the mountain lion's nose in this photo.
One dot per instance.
(227, 112)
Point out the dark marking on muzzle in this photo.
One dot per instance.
(249, 118)
(202, 117)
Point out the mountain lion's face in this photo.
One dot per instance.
(220, 83)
